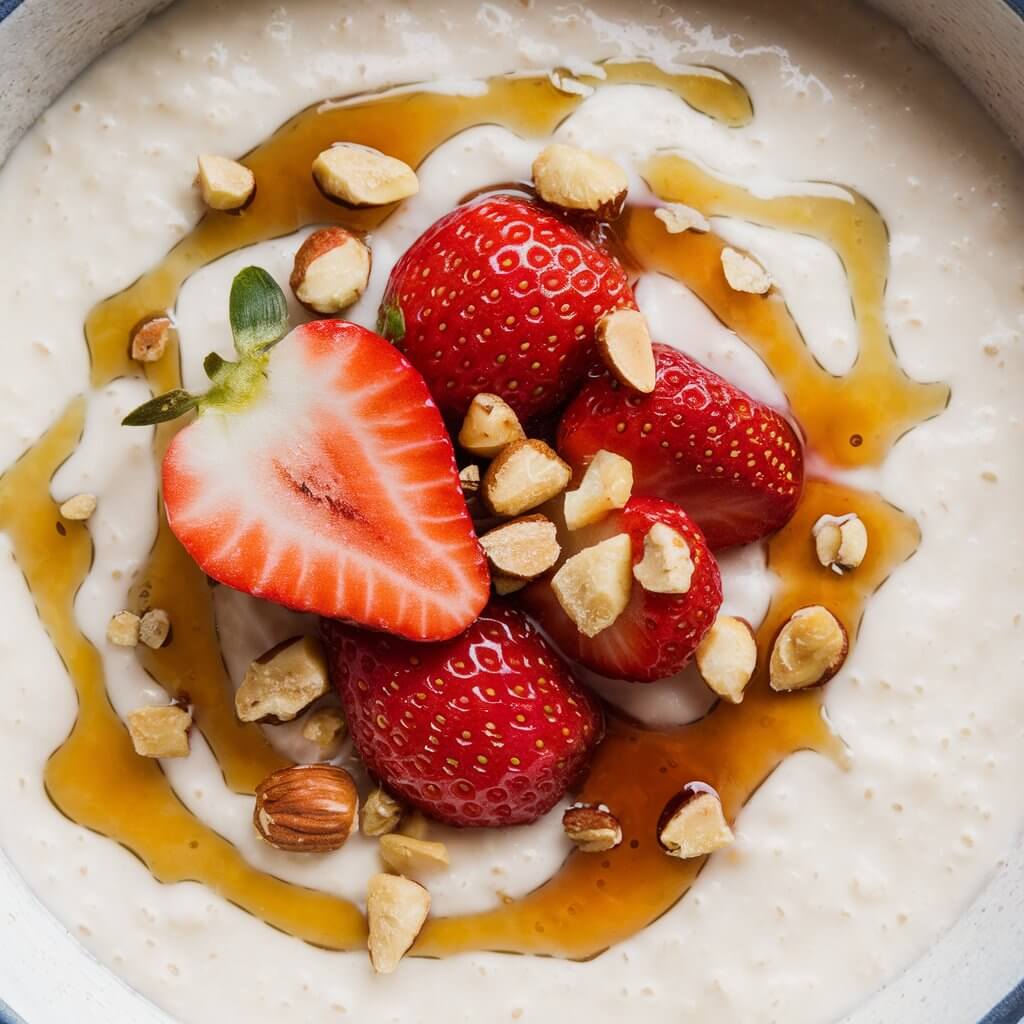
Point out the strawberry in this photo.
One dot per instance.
(501, 296)
(319, 475)
(658, 633)
(735, 465)
(487, 729)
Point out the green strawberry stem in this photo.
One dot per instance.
(258, 313)
(391, 323)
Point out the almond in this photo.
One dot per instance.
(489, 427)
(361, 176)
(331, 270)
(123, 629)
(523, 548)
(155, 628)
(693, 823)
(407, 855)
(607, 484)
(526, 474)
(326, 727)
(150, 339)
(575, 179)
(808, 651)
(308, 808)
(380, 814)
(678, 218)
(225, 184)
(592, 827)
(78, 508)
(727, 657)
(396, 909)
(744, 273)
(160, 732)
(624, 344)
(666, 567)
(282, 682)
(594, 586)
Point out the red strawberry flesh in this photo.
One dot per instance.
(487, 729)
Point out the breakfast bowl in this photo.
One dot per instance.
(820, 203)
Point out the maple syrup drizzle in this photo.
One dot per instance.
(594, 901)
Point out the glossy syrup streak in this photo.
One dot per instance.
(593, 901)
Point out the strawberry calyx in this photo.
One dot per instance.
(391, 323)
(258, 314)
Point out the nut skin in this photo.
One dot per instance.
(309, 808)
(540, 548)
(319, 243)
(593, 828)
(686, 796)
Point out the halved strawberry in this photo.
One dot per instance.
(657, 634)
(735, 464)
(501, 296)
(319, 475)
(487, 729)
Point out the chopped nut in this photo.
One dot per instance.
(490, 426)
(326, 727)
(577, 180)
(396, 908)
(415, 825)
(594, 586)
(678, 218)
(827, 540)
(282, 682)
(160, 732)
(666, 567)
(469, 477)
(331, 270)
(154, 628)
(361, 176)
(381, 814)
(150, 339)
(409, 856)
(225, 184)
(594, 829)
(526, 474)
(504, 586)
(840, 543)
(308, 808)
(523, 548)
(744, 273)
(606, 485)
(80, 507)
(809, 650)
(123, 629)
(727, 657)
(693, 823)
(624, 345)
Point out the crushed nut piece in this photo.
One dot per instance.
(678, 218)
(577, 180)
(693, 823)
(469, 477)
(408, 856)
(840, 542)
(523, 548)
(361, 176)
(666, 567)
(283, 682)
(154, 628)
(526, 474)
(396, 908)
(80, 507)
(160, 732)
(593, 828)
(727, 657)
(123, 629)
(331, 270)
(624, 345)
(490, 426)
(308, 808)
(151, 338)
(326, 727)
(744, 273)
(594, 586)
(225, 184)
(809, 650)
(504, 586)
(415, 825)
(381, 814)
(607, 484)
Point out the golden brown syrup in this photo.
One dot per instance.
(594, 901)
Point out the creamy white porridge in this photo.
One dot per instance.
(838, 878)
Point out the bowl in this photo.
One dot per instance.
(972, 974)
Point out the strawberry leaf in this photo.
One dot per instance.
(257, 310)
(161, 409)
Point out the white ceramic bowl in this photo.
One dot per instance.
(973, 974)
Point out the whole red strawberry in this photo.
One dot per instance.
(484, 730)
(658, 633)
(501, 296)
(735, 464)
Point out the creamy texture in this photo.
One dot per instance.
(837, 878)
